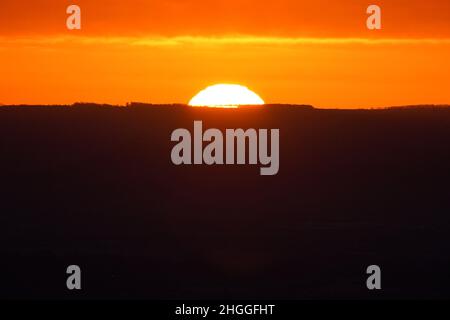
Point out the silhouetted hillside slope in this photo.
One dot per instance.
(95, 186)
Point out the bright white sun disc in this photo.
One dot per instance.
(225, 96)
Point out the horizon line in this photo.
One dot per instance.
(185, 105)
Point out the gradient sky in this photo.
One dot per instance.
(288, 51)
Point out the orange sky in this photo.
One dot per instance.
(288, 51)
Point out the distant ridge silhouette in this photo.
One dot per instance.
(420, 106)
(181, 105)
(94, 184)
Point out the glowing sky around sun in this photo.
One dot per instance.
(314, 52)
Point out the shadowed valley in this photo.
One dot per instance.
(94, 185)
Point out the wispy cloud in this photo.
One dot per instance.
(222, 40)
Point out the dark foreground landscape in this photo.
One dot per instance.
(94, 186)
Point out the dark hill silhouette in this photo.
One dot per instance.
(152, 105)
(420, 107)
(93, 185)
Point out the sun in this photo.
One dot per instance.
(225, 96)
